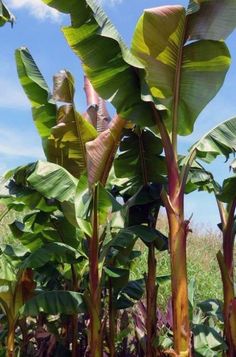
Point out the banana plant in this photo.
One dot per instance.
(47, 237)
(227, 204)
(139, 150)
(219, 141)
(17, 286)
(177, 65)
(72, 142)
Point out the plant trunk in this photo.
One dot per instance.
(229, 307)
(11, 339)
(181, 325)
(226, 263)
(151, 292)
(112, 323)
(95, 328)
(74, 324)
(74, 318)
(178, 230)
(24, 330)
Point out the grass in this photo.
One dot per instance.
(202, 246)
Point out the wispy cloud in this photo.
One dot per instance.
(110, 2)
(11, 95)
(113, 2)
(14, 144)
(36, 8)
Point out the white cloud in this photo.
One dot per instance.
(112, 2)
(13, 143)
(36, 8)
(12, 95)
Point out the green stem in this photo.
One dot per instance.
(11, 339)
(95, 330)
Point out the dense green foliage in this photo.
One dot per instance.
(87, 267)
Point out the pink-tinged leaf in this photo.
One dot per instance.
(213, 20)
(97, 113)
(101, 151)
(63, 83)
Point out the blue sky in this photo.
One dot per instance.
(38, 28)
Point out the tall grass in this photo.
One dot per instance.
(202, 246)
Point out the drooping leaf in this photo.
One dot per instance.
(63, 87)
(219, 141)
(95, 40)
(53, 303)
(212, 307)
(53, 181)
(130, 294)
(213, 20)
(119, 277)
(181, 77)
(106, 205)
(68, 138)
(96, 113)
(139, 160)
(37, 91)
(14, 251)
(207, 341)
(149, 235)
(64, 131)
(59, 252)
(101, 151)
(199, 178)
(228, 191)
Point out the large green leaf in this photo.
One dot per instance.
(130, 294)
(199, 178)
(64, 131)
(149, 235)
(53, 303)
(219, 141)
(5, 14)
(211, 19)
(37, 91)
(182, 77)
(105, 205)
(228, 191)
(107, 62)
(53, 181)
(207, 341)
(58, 252)
(72, 132)
(139, 160)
